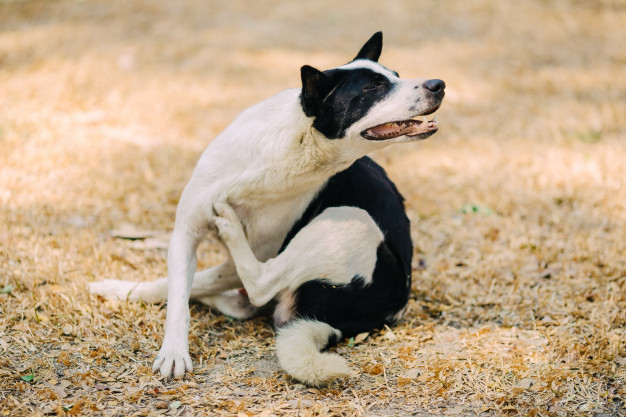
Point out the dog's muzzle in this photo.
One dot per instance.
(413, 128)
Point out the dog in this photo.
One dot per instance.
(308, 220)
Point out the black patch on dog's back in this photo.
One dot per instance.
(355, 308)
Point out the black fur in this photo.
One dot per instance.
(338, 98)
(343, 97)
(315, 86)
(355, 308)
(372, 48)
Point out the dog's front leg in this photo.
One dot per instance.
(173, 358)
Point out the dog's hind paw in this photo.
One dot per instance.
(115, 288)
(233, 303)
(227, 223)
(225, 211)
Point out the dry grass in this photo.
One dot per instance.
(518, 204)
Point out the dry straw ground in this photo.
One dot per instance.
(518, 204)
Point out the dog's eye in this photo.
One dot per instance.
(374, 85)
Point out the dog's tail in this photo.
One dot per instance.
(299, 346)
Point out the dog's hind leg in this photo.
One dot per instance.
(233, 303)
(209, 282)
(336, 246)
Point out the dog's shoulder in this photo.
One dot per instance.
(258, 136)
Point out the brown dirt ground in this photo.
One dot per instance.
(518, 204)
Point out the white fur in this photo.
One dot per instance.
(268, 164)
(298, 349)
(399, 105)
(371, 65)
(209, 281)
(345, 242)
(233, 303)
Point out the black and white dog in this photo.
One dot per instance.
(307, 219)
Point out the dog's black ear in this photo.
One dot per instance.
(372, 48)
(315, 87)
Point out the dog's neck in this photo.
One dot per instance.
(271, 153)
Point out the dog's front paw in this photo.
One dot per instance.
(114, 288)
(172, 362)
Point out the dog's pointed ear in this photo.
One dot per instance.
(372, 48)
(315, 86)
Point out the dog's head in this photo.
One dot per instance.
(366, 100)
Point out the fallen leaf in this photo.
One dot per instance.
(58, 390)
(389, 335)
(21, 368)
(403, 381)
(152, 243)
(411, 373)
(525, 383)
(374, 368)
(129, 231)
(28, 378)
(424, 377)
(454, 411)
(360, 337)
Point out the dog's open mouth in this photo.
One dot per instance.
(413, 128)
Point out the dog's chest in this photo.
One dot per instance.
(267, 224)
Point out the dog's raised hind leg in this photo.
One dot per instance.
(338, 245)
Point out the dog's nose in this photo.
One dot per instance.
(434, 86)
